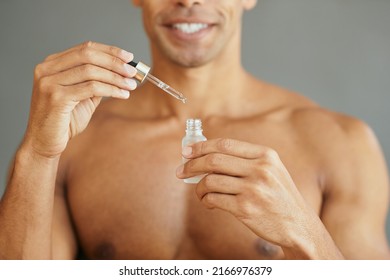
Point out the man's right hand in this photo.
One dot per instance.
(68, 86)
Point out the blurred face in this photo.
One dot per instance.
(193, 32)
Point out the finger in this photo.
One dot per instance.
(88, 72)
(214, 163)
(91, 89)
(112, 50)
(224, 146)
(226, 202)
(217, 183)
(92, 56)
(96, 100)
(59, 54)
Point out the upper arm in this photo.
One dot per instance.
(64, 243)
(357, 195)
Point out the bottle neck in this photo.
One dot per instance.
(194, 132)
(193, 127)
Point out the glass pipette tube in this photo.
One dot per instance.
(165, 87)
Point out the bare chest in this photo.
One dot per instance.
(127, 203)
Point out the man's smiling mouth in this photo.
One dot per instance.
(190, 28)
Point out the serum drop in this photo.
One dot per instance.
(193, 135)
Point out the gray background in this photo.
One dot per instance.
(336, 52)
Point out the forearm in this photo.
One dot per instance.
(26, 208)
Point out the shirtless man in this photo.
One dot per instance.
(286, 178)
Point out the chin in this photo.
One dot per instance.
(186, 55)
(190, 61)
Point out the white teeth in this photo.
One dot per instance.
(190, 28)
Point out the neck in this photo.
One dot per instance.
(211, 89)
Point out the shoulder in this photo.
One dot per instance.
(348, 152)
(315, 125)
(336, 134)
(312, 120)
(340, 144)
(333, 129)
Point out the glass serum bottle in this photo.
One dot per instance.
(194, 134)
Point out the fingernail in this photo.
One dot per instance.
(131, 83)
(128, 56)
(125, 93)
(180, 169)
(186, 151)
(130, 70)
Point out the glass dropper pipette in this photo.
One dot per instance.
(143, 73)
